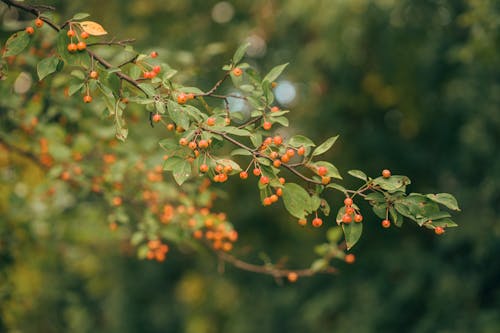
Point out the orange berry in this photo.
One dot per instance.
(198, 234)
(325, 180)
(274, 155)
(285, 158)
(183, 141)
(275, 109)
(301, 151)
(182, 98)
(302, 222)
(256, 172)
(222, 177)
(87, 99)
(228, 169)
(292, 277)
(219, 168)
(203, 144)
(290, 152)
(267, 201)
(153, 54)
(72, 47)
(322, 171)
(38, 22)
(268, 141)
(189, 96)
(227, 120)
(274, 198)
(94, 75)
(281, 180)
(226, 246)
(157, 69)
(277, 163)
(84, 35)
(386, 173)
(279, 191)
(211, 121)
(30, 30)
(237, 71)
(81, 46)
(203, 168)
(350, 258)
(317, 222)
(243, 175)
(192, 145)
(71, 33)
(348, 201)
(439, 230)
(264, 180)
(346, 218)
(170, 127)
(386, 223)
(278, 140)
(358, 218)
(117, 201)
(267, 125)
(156, 118)
(349, 210)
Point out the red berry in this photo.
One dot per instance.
(30, 30)
(274, 198)
(278, 140)
(156, 118)
(322, 171)
(192, 145)
(38, 22)
(237, 71)
(302, 222)
(346, 218)
(71, 33)
(301, 151)
(439, 230)
(350, 258)
(264, 180)
(267, 125)
(386, 173)
(87, 99)
(243, 175)
(153, 54)
(203, 144)
(386, 223)
(277, 163)
(267, 201)
(203, 168)
(157, 69)
(256, 172)
(325, 180)
(348, 201)
(292, 277)
(275, 109)
(84, 35)
(317, 222)
(358, 218)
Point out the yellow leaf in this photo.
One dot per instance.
(93, 28)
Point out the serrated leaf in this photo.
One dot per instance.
(240, 53)
(352, 233)
(445, 199)
(274, 73)
(182, 172)
(296, 200)
(16, 43)
(358, 174)
(93, 28)
(325, 146)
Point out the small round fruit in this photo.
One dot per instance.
(211, 121)
(237, 71)
(87, 99)
(84, 35)
(348, 202)
(38, 22)
(439, 230)
(277, 163)
(30, 30)
(274, 198)
(278, 140)
(203, 168)
(153, 54)
(350, 258)
(349, 210)
(267, 201)
(386, 223)
(72, 47)
(94, 75)
(156, 118)
(346, 218)
(275, 109)
(243, 175)
(256, 172)
(317, 222)
(182, 98)
(183, 141)
(192, 145)
(325, 180)
(301, 151)
(203, 144)
(81, 46)
(264, 180)
(290, 152)
(281, 180)
(285, 158)
(322, 171)
(279, 191)
(157, 69)
(71, 33)
(302, 222)
(358, 218)
(267, 125)
(386, 173)
(292, 277)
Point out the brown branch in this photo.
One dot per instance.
(122, 43)
(24, 153)
(35, 10)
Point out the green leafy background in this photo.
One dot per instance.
(409, 85)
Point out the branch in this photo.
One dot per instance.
(35, 10)
(122, 43)
(25, 153)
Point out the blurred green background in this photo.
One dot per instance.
(413, 86)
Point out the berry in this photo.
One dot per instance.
(84, 35)
(228, 169)
(277, 163)
(292, 277)
(87, 99)
(38, 22)
(30, 30)
(281, 180)
(267, 125)
(203, 144)
(273, 155)
(153, 54)
(71, 33)
(279, 192)
(192, 145)
(237, 71)
(183, 141)
(302, 222)
(203, 168)
(285, 158)
(278, 140)
(317, 222)
(157, 69)
(182, 98)
(93, 75)
(325, 180)
(290, 152)
(211, 121)
(348, 201)
(243, 175)
(256, 172)
(227, 120)
(301, 151)
(386, 173)
(81, 46)
(170, 127)
(267, 201)
(346, 218)
(322, 171)
(274, 198)
(386, 223)
(439, 230)
(275, 109)
(264, 180)
(189, 96)
(72, 47)
(156, 118)
(117, 201)
(358, 218)
(350, 258)
(349, 210)
(219, 168)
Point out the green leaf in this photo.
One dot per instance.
(445, 223)
(315, 202)
(190, 90)
(172, 163)
(296, 200)
(325, 146)
(170, 145)
(358, 174)
(182, 172)
(74, 88)
(114, 83)
(337, 187)
(376, 197)
(298, 141)
(393, 183)
(319, 265)
(47, 66)
(16, 43)
(241, 151)
(240, 53)
(352, 233)
(274, 73)
(380, 210)
(445, 199)
(334, 234)
(283, 121)
(148, 89)
(177, 115)
(236, 131)
(79, 16)
(227, 162)
(332, 169)
(396, 217)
